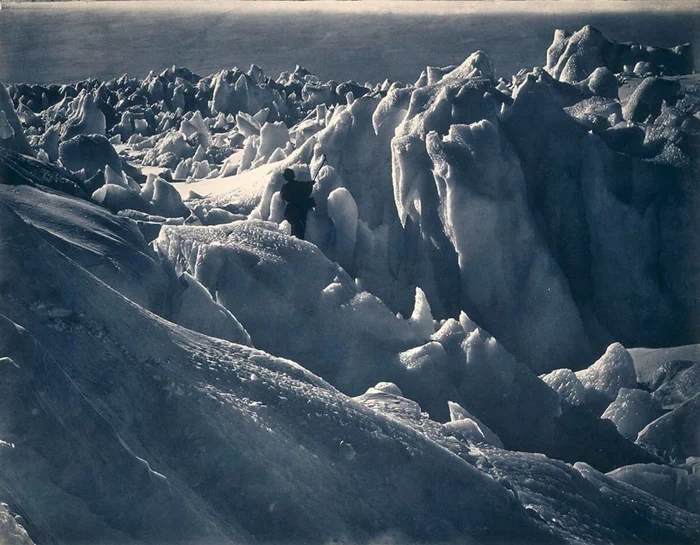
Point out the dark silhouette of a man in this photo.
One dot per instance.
(299, 202)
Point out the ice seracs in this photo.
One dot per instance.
(464, 423)
(631, 411)
(647, 99)
(88, 154)
(6, 130)
(195, 309)
(86, 118)
(343, 212)
(166, 200)
(480, 186)
(471, 231)
(13, 136)
(674, 436)
(567, 385)
(614, 370)
(194, 140)
(573, 56)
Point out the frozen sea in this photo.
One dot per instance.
(366, 41)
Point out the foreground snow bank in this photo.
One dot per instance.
(203, 439)
(200, 438)
(570, 501)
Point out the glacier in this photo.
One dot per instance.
(489, 335)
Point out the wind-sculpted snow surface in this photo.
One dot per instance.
(109, 247)
(205, 441)
(19, 169)
(199, 439)
(113, 249)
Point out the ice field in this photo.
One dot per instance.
(490, 333)
(367, 40)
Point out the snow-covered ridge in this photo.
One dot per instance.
(175, 366)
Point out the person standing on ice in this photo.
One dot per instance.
(299, 202)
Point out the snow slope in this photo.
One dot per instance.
(110, 247)
(203, 440)
(199, 439)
